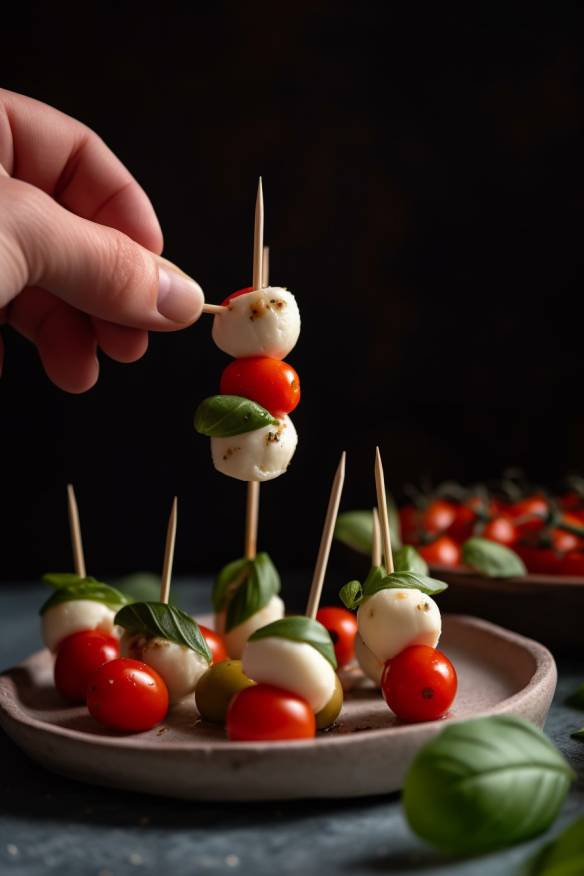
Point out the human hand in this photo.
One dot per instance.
(80, 244)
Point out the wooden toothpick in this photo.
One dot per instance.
(75, 530)
(252, 507)
(266, 267)
(168, 554)
(214, 308)
(383, 514)
(326, 539)
(258, 239)
(376, 542)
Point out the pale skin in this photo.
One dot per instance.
(80, 245)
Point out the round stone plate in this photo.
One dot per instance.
(367, 752)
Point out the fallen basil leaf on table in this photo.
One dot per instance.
(576, 700)
(579, 737)
(484, 784)
(492, 559)
(564, 856)
(407, 559)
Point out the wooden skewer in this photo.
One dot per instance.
(266, 267)
(214, 308)
(258, 238)
(252, 507)
(168, 554)
(75, 530)
(376, 542)
(326, 539)
(383, 514)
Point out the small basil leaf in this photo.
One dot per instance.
(140, 586)
(222, 416)
(355, 529)
(86, 588)
(578, 735)
(376, 575)
(228, 580)
(407, 559)
(409, 580)
(300, 629)
(492, 559)
(564, 856)
(484, 784)
(260, 585)
(63, 579)
(576, 700)
(351, 594)
(165, 622)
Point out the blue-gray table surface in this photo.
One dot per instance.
(49, 824)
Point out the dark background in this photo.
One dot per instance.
(424, 201)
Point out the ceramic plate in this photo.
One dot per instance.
(367, 752)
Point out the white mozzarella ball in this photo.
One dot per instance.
(294, 666)
(392, 619)
(236, 638)
(260, 455)
(179, 667)
(370, 665)
(265, 322)
(66, 618)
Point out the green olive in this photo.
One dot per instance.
(216, 688)
(327, 716)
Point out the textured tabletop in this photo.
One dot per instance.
(53, 825)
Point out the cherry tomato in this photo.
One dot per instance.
(408, 521)
(501, 530)
(264, 713)
(79, 655)
(419, 684)
(438, 516)
(442, 552)
(571, 502)
(271, 383)
(342, 626)
(573, 564)
(539, 560)
(529, 514)
(563, 541)
(462, 526)
(236, 295)
(127, 695)
(215, 643)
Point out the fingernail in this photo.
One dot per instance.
(180, 298)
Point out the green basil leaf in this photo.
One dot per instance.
(63, 579)
(228, 580)
(410, 580)
(351, 594)
(223, 416)
(300, 629)
(259, 586)
(165, 622)
(578, 735)
(85, 588)
(564, 856)
(140, 586)
(376, 575)
(355, 529)
(492, 559)
(484, 784)
(576, 700)
(407, 559)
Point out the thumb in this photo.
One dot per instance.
(92, 267)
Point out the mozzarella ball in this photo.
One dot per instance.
(265, 322)
(66, 618)
(370, 665)
(235, 640)
(260, 455)
(179, 666)
(392, 619)
(293, 666)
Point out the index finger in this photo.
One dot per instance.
(66, 159)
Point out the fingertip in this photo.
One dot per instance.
(119, 342)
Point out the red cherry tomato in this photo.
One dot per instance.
(573, 564)
(539, 560)
(462, 526)
(563, 541)
(419, 684)
(79, 655)
(501, 530)
(271, 383)
(408, 521)
(438, 516)
(264, 713)
(530, 514)
(236, 295)
(342, 626)
(215, 643)
(442, 552)
(127, 695)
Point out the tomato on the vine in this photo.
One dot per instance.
(573, 564)
(215, 643)
(271, 383)
(462, 526)
(419, 684)
(501, 530)
(444, 551)
(342, 626)
(437, 516)
(79, 655)
(264, 713)
(530, 514)
(539, 560)
(236, 294)
(127, 695)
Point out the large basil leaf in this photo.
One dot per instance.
(564, 856)
(260, 585)
(409, 580)
(355, 529)
(165, 622)
(85, 588)
(222, 416)
(492, 559)
(407, 559)
(228, 580)
(300, 629)
(485, 783)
